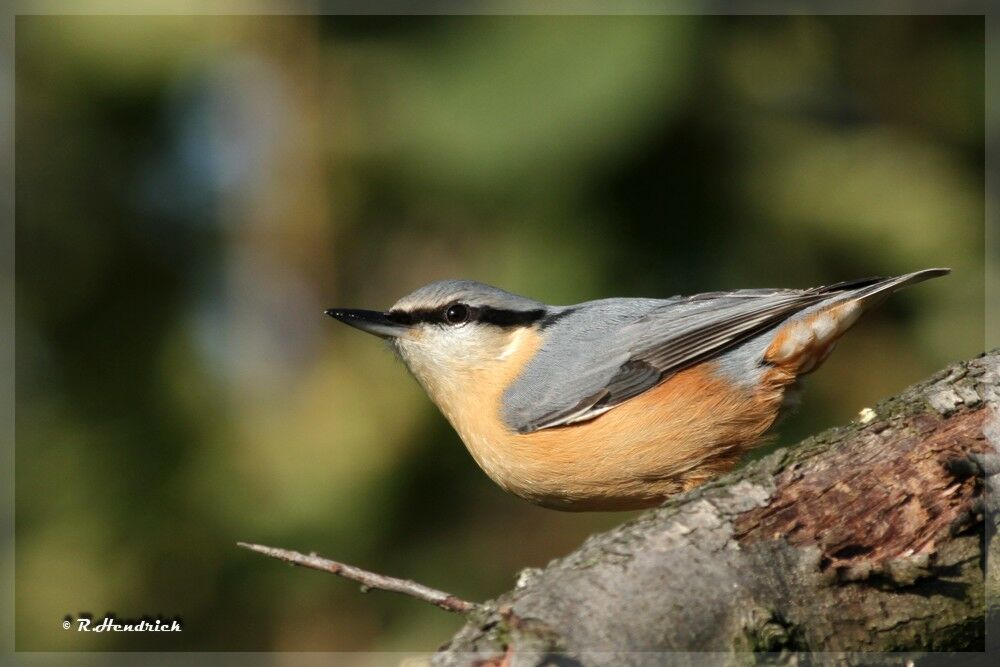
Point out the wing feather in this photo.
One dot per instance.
(666, 339)
(599, 354)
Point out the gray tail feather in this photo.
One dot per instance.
(882, 288)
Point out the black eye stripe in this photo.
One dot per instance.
(509, 318)
(484, 314)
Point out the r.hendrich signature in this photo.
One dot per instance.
(110, 623)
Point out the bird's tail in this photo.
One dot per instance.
(874, 293)
(801, 344)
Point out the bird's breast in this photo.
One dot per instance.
(470, 398)
(672, 437)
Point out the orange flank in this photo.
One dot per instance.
(688, 429)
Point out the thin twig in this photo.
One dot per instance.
(367, 579)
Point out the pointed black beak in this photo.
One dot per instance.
(370, 321)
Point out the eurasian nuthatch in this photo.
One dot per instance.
(618, 403)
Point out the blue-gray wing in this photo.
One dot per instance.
(601, 353)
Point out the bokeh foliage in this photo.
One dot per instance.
(192, 191)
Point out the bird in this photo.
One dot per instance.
(618, 403)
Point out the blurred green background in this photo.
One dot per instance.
(192, 192)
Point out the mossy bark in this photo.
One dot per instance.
(862, 539)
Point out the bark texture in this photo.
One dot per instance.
(865, 538)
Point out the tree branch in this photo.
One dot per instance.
(866, 537)
(367, 579)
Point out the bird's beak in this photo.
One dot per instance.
(370, 321)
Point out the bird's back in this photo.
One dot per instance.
(598, 354)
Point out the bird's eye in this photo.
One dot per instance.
(456, 313)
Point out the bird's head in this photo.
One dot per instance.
(449, 330)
